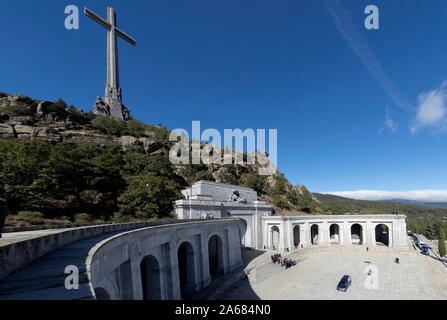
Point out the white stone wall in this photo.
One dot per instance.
(397, 231)
(106, 260)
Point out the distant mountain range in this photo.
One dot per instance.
(441, 205)
(341, 205)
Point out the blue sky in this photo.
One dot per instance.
(355, 109)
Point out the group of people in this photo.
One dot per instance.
(286, 262)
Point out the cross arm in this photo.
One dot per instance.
(97, 18)
(125, 36)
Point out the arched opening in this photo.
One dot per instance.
(215, 256)
(314, 234)
(101, 294)
(382, 235)
(242, 232)
(150, 278)
(296, 236)
(356, 234)
(334, 233)
(186, 269)
(275, 237)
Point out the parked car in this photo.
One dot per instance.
(424, 250)
(344, 283)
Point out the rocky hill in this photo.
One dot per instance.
(144, 149)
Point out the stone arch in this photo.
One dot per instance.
(215, 256)
(314, 234)
(296, 236)
(101, 294)
(275, 237)
(186, 267)
(382, 234)
(109, 285)
(356, 234)
(150, 278)
(334, 233)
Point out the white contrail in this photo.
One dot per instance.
(361, 49)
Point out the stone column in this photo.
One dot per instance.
(346, 233)
(283, 235)
(291, 236)
(233, 252)
(176, 295)
(198, 262)
(136, 280)
(304, 234)
(369, 236)
(205, 266)
(324, 236)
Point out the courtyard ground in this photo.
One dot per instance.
(318, 272)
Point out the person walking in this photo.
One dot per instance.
(3, 211)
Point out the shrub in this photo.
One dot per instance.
(370, 211)
(280, 202)
(204, 175)
(16, 110)
(254, 181)
(161, 134)
(59, 108)
(120, 217)
(109, 125)
(77, 116)
(441, 243)
(136, 128)
(32, 217)
(82, 218)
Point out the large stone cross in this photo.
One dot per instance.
(111, 104)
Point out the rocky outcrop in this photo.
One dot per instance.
(301, 189)
(6, 131)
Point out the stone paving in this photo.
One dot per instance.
(13, 237)
(317, 274)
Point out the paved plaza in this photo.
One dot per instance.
(317, 274)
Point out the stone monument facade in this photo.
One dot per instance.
(111, 104)
(262, 230)
(212, 200)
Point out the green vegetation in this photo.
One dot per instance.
(254, 181)
(204, 175)
(65, 179)
(149, 196)
(109, 126)
(441, 243)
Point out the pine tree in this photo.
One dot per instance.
(441, 243)
(430, 232)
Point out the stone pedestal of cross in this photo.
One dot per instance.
(111, 104)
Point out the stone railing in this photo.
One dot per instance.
(17, 255)
(98, 262)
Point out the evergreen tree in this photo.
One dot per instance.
(441, 243)
(430, 232)
(68, 171)
(108, 177)
(149, 196)
(21, 165)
